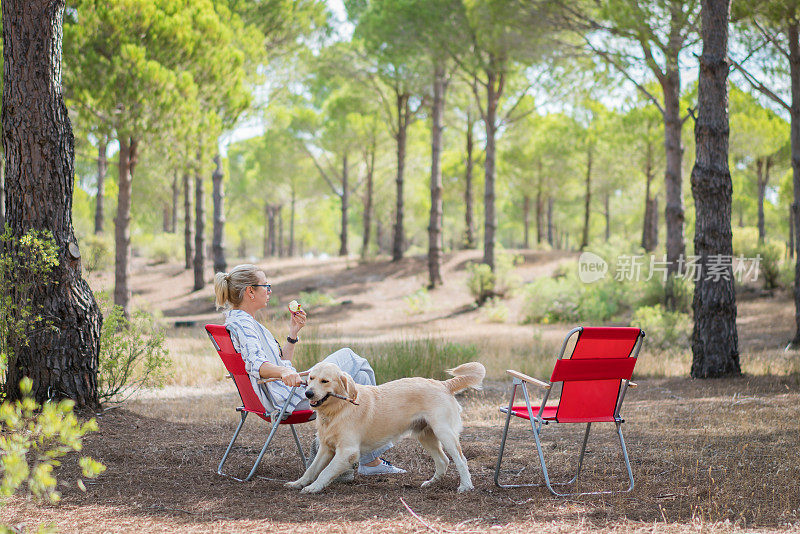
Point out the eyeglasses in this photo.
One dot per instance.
(268, 286)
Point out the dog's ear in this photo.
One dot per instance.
(348, 386)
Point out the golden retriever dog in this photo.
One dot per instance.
(423, 407)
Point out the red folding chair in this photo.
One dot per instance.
(251, 403)
(593, 384)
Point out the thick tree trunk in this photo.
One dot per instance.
(165, 218)
(494, 90)
(102, 170)
(762, 174)
(218, 241)
(39, 148)
(526, 220)
(715, 345)
(292, 208)
(345, 198)
(469, 220)
(188, 234)
(199, 226)
(399, 239)
(436, 214)
(122, 223)
(587, 199)
(794, 128)
(2, 192)
(175, 189)
(674, 212)
(369, 161)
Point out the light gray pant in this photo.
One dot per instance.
(362, 373)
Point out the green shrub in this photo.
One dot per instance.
(769, 267)
(786, 274)
(745, 240)
(97, 252)
(418, 302)
(132, 353)
(163, 247)
(666, 330)
(315, 299)
(483, 283)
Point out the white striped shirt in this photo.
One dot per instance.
(257, 345)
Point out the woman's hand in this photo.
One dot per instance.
(297, 322)
(291, 378)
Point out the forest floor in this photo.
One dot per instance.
(707, 456)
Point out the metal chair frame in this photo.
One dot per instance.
(275, 417)
(537, 421)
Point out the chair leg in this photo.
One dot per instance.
(299, 448)
(625, 456)
(275, 425)
(503, 444)
(230, 446)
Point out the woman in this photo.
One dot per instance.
(244, 291)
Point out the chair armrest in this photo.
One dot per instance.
(266, 380)
(632, 384)
(526, 378)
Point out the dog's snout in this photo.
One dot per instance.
(309, 393)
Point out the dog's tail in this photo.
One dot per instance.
(466, 375)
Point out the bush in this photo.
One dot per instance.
(418, 302)
(97, 252)
(132, 353)
(495, 311)
(770, 263)
(665, 330)
(483, 283)
(162, 247)
(315, 299)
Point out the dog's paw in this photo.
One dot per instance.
(297, 484)
(313, 488)
(465, 487)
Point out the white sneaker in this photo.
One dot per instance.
(383, 468)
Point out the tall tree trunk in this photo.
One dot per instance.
(102, 170)
(280, 231)
(436, 214)
(607, 211)
(674, 212)
(398, 243)
(165, 218)
(2, 191)
(122, 223)
(761, 187)
(587, 199)
(794, 128)
(715, 345)
(494, 90)
(270, 248)
(218, 241)
(175, 188)
(550, 202)
(539, 209)
(292, 208)
(188, 234)
(199, 226)
(526, 220)
(370, 163)
(39, 147)
(469, 220)
(647, 227)
(791, 233)
(345, 198)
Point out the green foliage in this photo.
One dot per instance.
(132, 353)
(771, 255)
(25, 263)
(666, 330)
(495, 310)
(418, 302)
(161, 247)
(97, 252)
(315, 299)
(32, 440)
(483, 283)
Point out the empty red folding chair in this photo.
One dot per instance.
(251, 403)
(593, 384)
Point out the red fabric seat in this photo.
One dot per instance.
(593, 382)
(251, 403)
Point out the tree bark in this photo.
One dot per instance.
(102, 170)
(39, 179)
(794, 128)
(122, 223)
(494, 91)
(188, 234)
(436, 213)
(269, 235)
(791, 233)
(345, 198)
(469, 220)
(587, 199)
(175, 187)
(715, 345)
(539, 209)
(673, 212)
(526, 220)
(199, 226)
(218, 241)
(762, 175)
(398, 243)
(369, 161)
(280, 231)
(649, 227)
(2, 192)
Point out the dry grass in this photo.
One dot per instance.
(708, 456)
